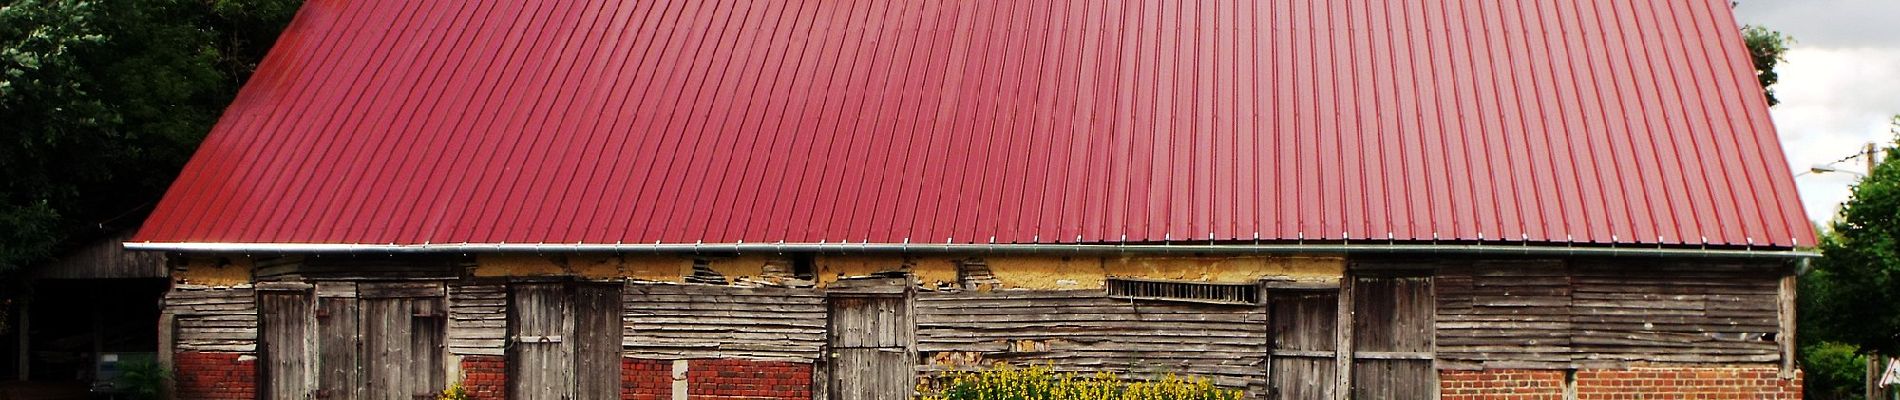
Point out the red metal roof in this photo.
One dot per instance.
(1095, 121)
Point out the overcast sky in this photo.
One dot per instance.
(1839, 87)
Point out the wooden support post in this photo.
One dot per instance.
(1342, 354)
(1784, 335)
(166, 337)
(1873, 376)
(26, 329)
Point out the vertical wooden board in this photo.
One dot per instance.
(287, 318)
(1303, 328)
(541, 361)
(1785, 305)
(339, 337)
(597, 332)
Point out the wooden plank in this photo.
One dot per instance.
(1343, 340)
(705, 321)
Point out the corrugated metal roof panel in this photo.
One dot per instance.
(1093, 121)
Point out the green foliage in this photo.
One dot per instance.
(1853, 293)
(1040, 383)
(103, 100)
(144, 380)
(1834, 371)
(1766, 48)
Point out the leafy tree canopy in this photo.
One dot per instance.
(1766, 48)
(1853, 294)
(102, 101)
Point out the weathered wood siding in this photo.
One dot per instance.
(666, 321)
(103, 259)
(213, 319)
(1637, 311)
(1557, 314)
(478, 318)
(1086, 331)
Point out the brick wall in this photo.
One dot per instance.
(644, 379)
(215, 376)
(740, 379)
(708, 379)
(485, 377)
(1749, 382)
(1687, 383)
(1501, 384)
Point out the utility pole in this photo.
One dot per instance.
(1876, 362)
(1871, 155)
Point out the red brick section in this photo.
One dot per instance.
(747, 380)
(1501, 384)
(215, 376)
(1649, 383)
(642, 379)
(1687, 383)
(485, 377)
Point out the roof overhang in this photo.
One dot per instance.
(999, 248)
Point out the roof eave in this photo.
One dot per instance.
(841, 247)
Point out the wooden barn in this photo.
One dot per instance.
(832, 199)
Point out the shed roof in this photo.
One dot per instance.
(1565, 122)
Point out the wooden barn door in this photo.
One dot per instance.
(540, 359)
(288, 321)
(1392, 337)
(597, 332)
(350, 341)
(340, 338)
(564, 341)
(871, 340)
(402, 340)
(1303, 331)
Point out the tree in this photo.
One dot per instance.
(102, 101)
(1766, 48)
(1856, 283)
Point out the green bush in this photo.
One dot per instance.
(1834, 371)
(1005, 382)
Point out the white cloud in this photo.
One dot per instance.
(1838, 89)
(1833, 101)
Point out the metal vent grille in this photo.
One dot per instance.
(1195, 292)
